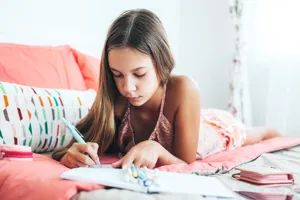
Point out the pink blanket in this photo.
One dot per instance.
(39, 179)
(230, 159)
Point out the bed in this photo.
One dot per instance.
(65, 69)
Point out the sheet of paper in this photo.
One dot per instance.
(192, 184)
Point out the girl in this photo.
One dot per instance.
(145, 113)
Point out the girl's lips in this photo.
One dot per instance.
(132, 99)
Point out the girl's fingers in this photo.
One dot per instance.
(73, 163)
(94, 145)
(117, 164)
(80, 164)
(127, 161)
(85, 159)
(151, 166)
(91, 150)
(94, 151)
(139, 163)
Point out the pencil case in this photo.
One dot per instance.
(15, 152)
(264, 175)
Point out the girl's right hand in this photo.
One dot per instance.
(80, 155)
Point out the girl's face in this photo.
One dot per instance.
(134, 73)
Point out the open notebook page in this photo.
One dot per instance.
(171, 182)
(168, 182)
(104, 176)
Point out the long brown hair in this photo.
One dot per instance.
(139, 29)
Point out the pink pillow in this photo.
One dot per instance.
(89, 67)
(40, 66)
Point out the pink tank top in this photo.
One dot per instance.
(162, 132)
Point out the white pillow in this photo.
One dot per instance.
(32, 116)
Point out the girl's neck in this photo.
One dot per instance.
(153, 104)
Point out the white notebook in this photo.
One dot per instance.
(167, 182)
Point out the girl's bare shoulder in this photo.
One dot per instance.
(180, 90)
(181, 87)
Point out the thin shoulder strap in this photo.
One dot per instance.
(163, 100)
(128, 108)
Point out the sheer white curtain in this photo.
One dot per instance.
(239, 102)
(272, 29)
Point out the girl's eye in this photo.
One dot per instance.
(140, 75)
(117, 75)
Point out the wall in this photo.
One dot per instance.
(81, 24)
(206, 48)
(199, 31)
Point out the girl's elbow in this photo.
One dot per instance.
(189, 160)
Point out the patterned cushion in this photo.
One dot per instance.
(33, 116)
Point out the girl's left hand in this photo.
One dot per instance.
(144, 154)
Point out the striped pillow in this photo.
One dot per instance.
(32, 116)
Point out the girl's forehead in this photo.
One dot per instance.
(129, 59)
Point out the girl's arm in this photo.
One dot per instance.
(166, 158)
(186, 124)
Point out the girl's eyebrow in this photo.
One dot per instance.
(131, 70)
